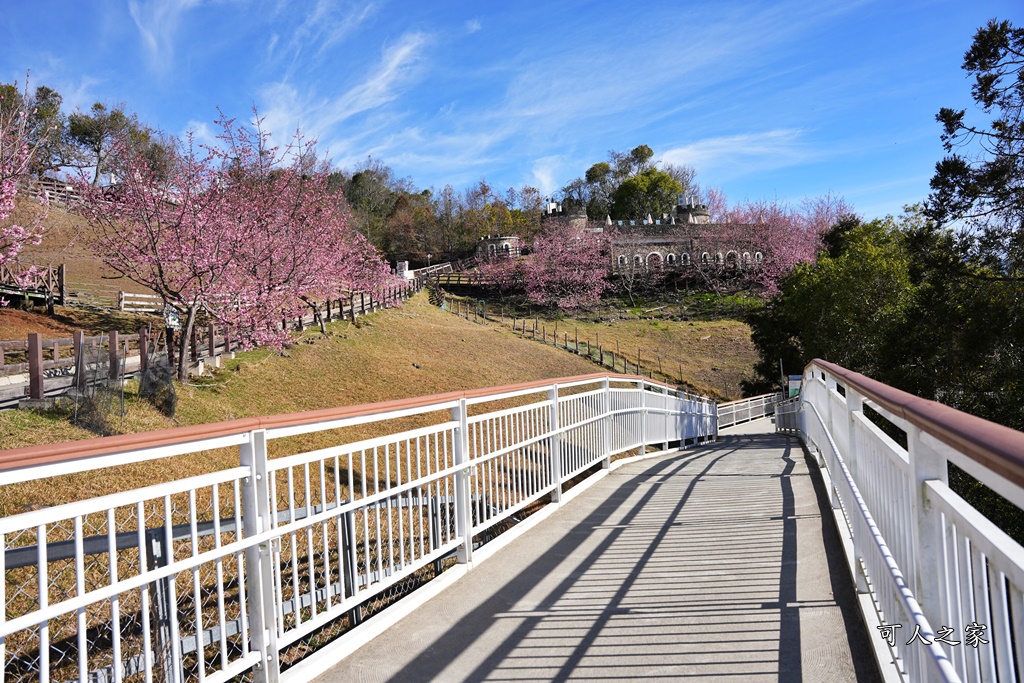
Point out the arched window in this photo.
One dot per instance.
(505, 248)
(718, 259)
(685, 258)
(758, 257)
(670, 259)
(491, 248)
(732, 259)
(746, 257)
(654, 260)
(638, 260)
(623, 260)
(705, 258)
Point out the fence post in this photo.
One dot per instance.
(606, 424)
(463, 486)
(143, 349)
(78, 342)
(120, 299)
(61, 284)
(112, 355)
(259, 578)
(352, 306)
(35, 365)
(555, 445)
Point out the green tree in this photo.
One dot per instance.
(981, 180)
(649, 192)
(105, 129)
(46, 127)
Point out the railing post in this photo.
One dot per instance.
(555, 445)
(927, 557)
(463, 493)
(259, 588)
(606, 424)
(855, 405)
(714, 420)
(35, 365)
(643, 413)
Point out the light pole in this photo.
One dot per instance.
(428, 260)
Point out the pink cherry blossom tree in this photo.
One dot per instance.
(16, 154)
(568, 267)
(165, 231)
(293, 242)
(784, 235)
(246, 231)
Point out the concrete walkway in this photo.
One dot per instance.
(712, 562)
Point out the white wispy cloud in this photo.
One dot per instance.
(289, 107)
(327, 24)
(157, 22)
(548, 173)
(739, 154)
(473, 25)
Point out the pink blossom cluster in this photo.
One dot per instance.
(15, 158)
(246, 231)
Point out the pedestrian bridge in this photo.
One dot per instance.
(592, 527)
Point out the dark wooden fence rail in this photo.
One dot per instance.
(37, 355)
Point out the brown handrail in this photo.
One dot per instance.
(105, 445)
(995, 446)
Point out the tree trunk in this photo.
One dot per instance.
(318, 318)
(183, 351)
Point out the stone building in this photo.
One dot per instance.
(510, 246)
(680, 240)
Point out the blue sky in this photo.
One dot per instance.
(766, 100)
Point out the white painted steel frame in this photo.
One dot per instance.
(212, 576)
(921, 556)
(747, 409)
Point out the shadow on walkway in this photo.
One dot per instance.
(714, 562)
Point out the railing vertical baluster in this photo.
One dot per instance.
(463, 514)
(260, 590)
(643, 415)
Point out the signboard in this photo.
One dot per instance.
(171, 319)
(794, 384)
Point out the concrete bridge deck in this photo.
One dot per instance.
(714, 562)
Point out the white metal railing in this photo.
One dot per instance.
(228, 572)
(744, 410)
(941, 585)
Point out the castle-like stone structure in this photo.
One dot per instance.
(683, 239)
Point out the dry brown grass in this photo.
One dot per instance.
(67, 239)
(369, 363)
(709, 357)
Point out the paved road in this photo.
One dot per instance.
(710, 563)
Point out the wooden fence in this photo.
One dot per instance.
(33, 281)
(38, 357)
(641, 363)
